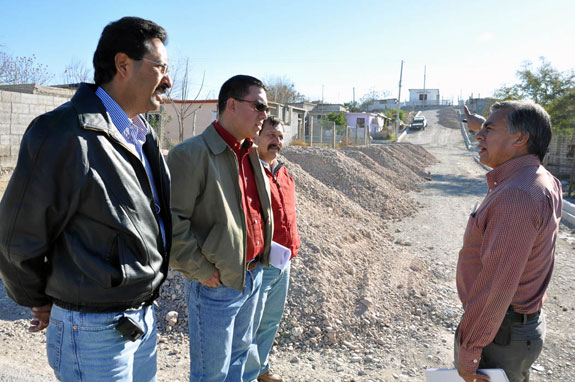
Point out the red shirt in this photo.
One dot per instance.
(282, 187)
(250, 198)
(508, 252)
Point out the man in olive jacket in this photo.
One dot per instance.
(223, 227)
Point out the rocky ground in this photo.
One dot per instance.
(372, 294)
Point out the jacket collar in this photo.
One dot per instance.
(92, 113)
(217, 144)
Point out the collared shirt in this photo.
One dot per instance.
(282, 192)
(508, 252)
(250, 197)
(134, 134)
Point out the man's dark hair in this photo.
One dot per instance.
(273, 122)
(129, 35)
(528, 118)
(237, 87)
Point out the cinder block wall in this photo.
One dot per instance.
(17, 110)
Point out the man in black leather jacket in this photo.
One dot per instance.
(85, 231)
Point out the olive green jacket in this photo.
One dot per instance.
(209, 225)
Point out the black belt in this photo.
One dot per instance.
(521, 317)
(102, 309)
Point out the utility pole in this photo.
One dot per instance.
(424, 93)
(322, 94)
(398, 102)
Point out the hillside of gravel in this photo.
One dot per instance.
(350, 282)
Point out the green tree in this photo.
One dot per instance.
(352, 106)
(542, 85)
(562, 112)
(547, 86)
(392, 113)
(338, 118)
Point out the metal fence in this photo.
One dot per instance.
(327, 133)
(560, 159)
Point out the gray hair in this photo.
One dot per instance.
(529, 118)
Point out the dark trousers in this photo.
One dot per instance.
(517, 357)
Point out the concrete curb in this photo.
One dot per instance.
(402, 136)
(568, 214)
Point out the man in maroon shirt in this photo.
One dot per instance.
(508, 249)
(223, 230)
(285, 246)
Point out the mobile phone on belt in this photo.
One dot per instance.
(129, 328)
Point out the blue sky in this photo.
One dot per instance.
(323, 47)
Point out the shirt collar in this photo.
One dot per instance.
(121, 120)
(500, 173)
(231, 140)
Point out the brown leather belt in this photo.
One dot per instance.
(250, 266)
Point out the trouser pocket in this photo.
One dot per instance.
(503, 336)
(54, 339)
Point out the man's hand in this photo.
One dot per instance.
(41, 318)
(472, 376)
(213, 281)
(474, 121)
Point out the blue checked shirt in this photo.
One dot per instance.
(134, 133)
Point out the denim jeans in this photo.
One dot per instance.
(269, 313)
(517, 357)
(220, 323)
(85, 347)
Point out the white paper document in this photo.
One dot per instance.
(279, 255)
(451, 375)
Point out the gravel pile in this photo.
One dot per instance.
(349, 286)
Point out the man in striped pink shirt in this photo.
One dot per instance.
(508, 249)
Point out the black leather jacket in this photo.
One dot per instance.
(77, 222)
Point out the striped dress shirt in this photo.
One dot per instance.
(134, 133)
(508, 252)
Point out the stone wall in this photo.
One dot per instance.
(17, 110)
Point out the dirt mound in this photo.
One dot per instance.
(350, 282)
(371, 177)
(449, 117)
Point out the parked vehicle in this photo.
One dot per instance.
(419, 123)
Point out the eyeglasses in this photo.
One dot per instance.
(257, 105)
(164, 67)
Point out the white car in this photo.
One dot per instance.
(419, 123)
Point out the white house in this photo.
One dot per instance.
(424, 97)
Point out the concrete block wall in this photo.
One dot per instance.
(17, 110)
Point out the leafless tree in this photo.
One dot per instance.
(282, 90)
(16, 70)
(180, 89)
(76, 72)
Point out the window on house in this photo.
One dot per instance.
(360, 122)
(423, 97)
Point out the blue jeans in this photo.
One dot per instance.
(220, 324)
(87, 347)
(269, 313)
(517, 357)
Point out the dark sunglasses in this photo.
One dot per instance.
(257, 105)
